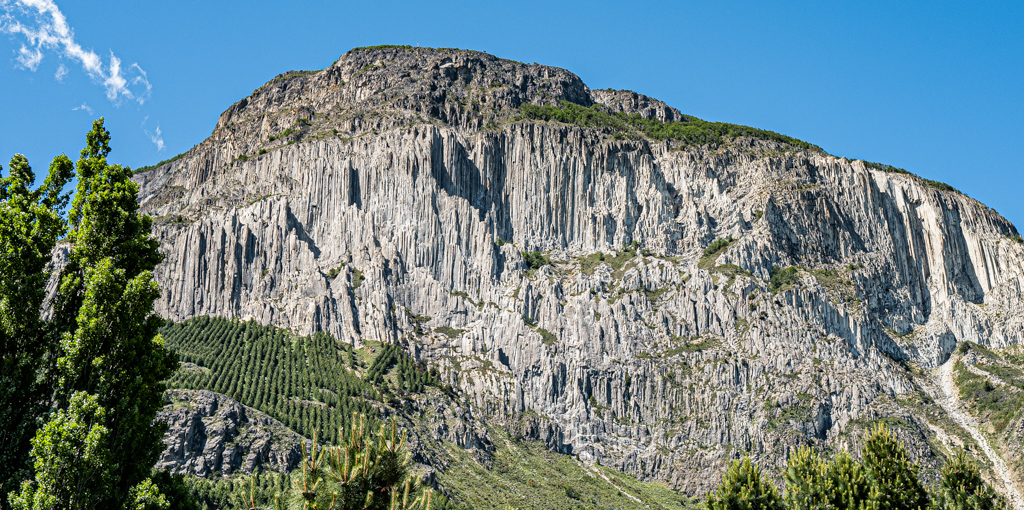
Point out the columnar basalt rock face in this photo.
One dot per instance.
(400, 183)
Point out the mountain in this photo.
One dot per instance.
(646, 290)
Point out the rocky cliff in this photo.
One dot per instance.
(391, 196)
(209, 433)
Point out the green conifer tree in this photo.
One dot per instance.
(30, 225)
(847, 480)
(367, 472)
(744, 488)
(893, 477)
(962, 487)
(807, 487)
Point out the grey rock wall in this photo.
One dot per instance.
(210, 433)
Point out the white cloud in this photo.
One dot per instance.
(84, 107)
(142, 79)
(45, 28)
(62, 71)
(29, 59)
(156, 137)
(114, 82)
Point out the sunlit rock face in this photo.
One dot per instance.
(209, 433)
(389, 197)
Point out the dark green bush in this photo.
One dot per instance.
(449, 331)
(997, 403)
(162, 163)
(547, 337)
(941, 186)
(333, 273)
(535, 259)
(784, 279)
(718, 244)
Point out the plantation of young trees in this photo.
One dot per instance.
(308, 383)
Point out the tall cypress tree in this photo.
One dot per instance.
(97, 450)
(30, 225)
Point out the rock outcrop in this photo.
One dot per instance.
(210, 433)
(394, 192)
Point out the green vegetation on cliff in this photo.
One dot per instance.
(316, 383)
(308, 383)
(526, 475)
(692, 131)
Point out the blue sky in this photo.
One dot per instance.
(933, 87)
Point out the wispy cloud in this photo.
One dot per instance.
(29, 59)
(84, 107)
(62, 71)
(46, 29)
(156, 137)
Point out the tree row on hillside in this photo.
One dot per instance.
(308, 383)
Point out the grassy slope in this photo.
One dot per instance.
(525, 475)
(994, 394)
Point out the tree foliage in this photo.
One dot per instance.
(806, 485)
(718, 245)
(743, 487)
(894, 482)
(255, 490)
(308, 383)
(535, 259)
(366, 471)
(961, 487)
(784, 278)
(690, 131)
(30, 226)
(848, 485)
(884, 478)
(98, 445)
